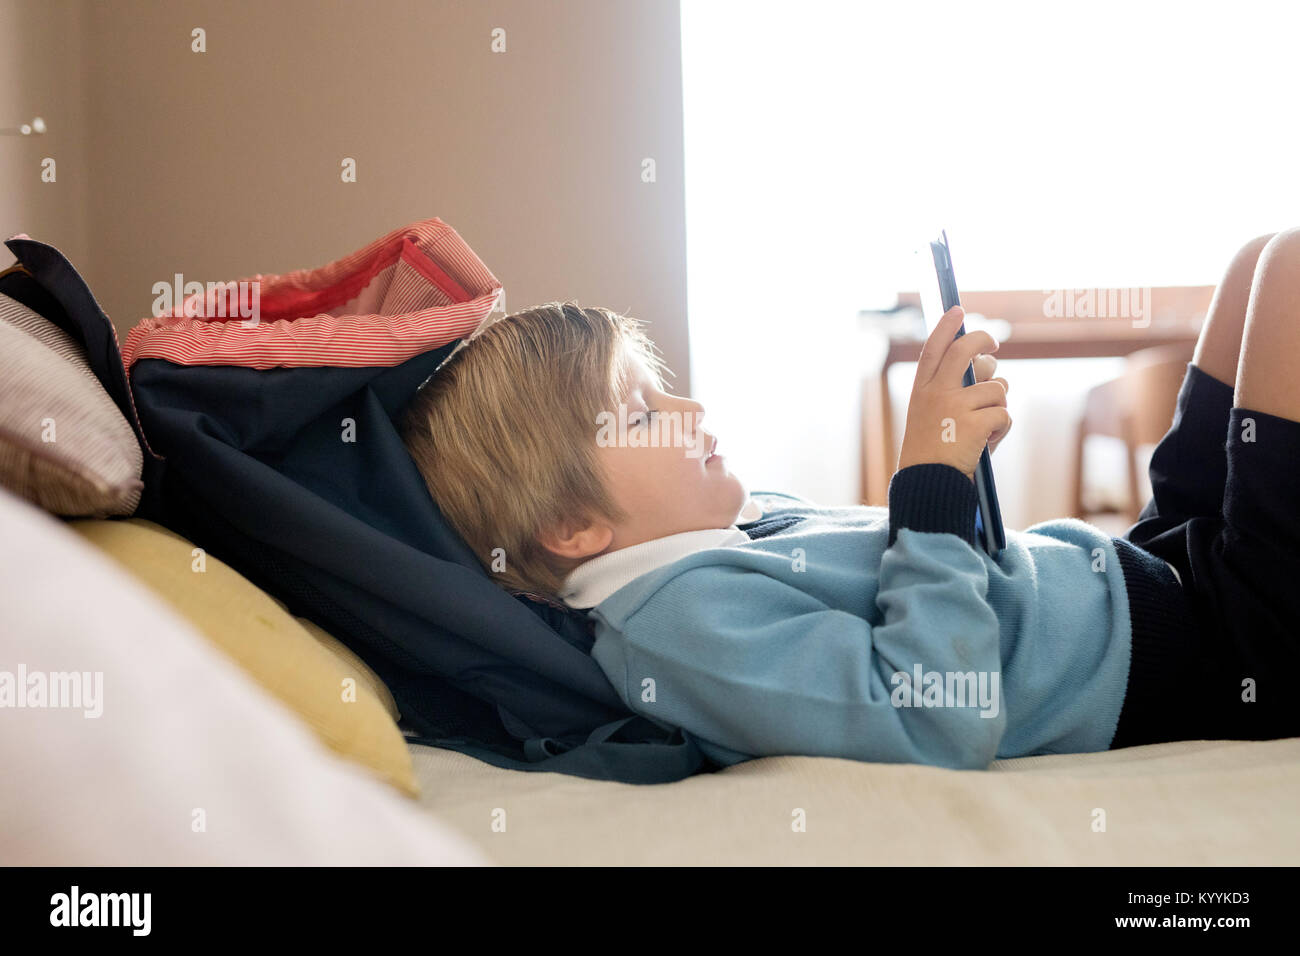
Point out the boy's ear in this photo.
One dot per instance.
(577, 540)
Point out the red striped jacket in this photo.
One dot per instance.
(415, 289)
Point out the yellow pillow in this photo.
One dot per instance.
(340, 698)
(354, 665)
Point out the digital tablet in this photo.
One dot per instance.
(938, 295)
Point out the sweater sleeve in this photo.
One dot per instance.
(750, 665)
(933, 497)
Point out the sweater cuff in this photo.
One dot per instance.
(932, 497)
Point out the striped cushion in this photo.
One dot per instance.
(63, 443)
(407, 293)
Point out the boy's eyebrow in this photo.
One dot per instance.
(634, 378)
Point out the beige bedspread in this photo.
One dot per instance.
(1185, 803)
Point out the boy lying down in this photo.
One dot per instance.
(888, 634)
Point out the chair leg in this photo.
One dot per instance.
(1081, 435)
(1134, 507)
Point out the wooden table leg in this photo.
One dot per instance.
(878, 455)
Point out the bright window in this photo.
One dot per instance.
(1082, 145)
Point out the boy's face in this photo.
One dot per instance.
(667, 480)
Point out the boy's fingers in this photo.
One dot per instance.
(961, 353)
(936, 346)
(992, 420)
(985, 366)
(984, 395)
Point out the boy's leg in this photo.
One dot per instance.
(1216, 500)
(1254, 566)
(1188, 469)
(1218, 349)
(1270, 352)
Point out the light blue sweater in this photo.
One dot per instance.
(794, 643)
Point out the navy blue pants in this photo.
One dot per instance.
(1225, 512)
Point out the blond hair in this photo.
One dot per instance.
(504, 434)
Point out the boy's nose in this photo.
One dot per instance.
(695, 415)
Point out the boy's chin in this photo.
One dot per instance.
(736, 504)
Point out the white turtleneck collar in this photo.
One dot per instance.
(592, 581)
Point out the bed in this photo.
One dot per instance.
(234, 730)
(1178, 804)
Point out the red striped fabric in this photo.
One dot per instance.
(415, 289)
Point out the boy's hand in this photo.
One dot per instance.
(985, 365)
(948, 423)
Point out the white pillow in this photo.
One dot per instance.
(183, 736)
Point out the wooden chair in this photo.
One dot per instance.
(1137, 408)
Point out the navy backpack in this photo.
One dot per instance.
(247, 463)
